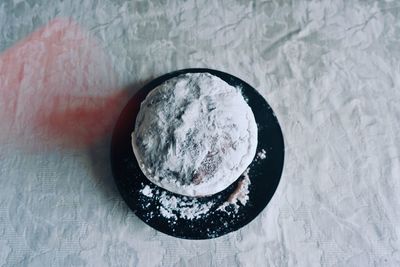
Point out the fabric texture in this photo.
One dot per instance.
(329, 69)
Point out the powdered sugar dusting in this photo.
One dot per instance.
(192, 209)
(167, 213)
(174, 207)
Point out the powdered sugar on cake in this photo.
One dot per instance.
(194, 135)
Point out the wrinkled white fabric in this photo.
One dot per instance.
(330, 71)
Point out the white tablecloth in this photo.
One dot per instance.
(329, 69)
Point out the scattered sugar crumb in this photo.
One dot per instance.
(262, 154)
(167, 213)
(174, 207)
(147, 191)
(186, 210)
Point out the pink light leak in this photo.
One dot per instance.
(57, 89)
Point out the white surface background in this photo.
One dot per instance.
(329, 69)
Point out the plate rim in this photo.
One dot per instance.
(145, 90)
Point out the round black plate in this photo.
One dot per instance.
(264, 174)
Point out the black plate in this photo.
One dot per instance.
(264, 174)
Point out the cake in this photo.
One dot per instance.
(194, 135)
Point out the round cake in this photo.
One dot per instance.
(194, 135)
